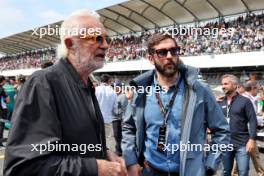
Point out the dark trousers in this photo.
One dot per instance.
(117, 128)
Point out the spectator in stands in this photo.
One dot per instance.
(106, 98)
(57, 108)
(247, 35)
(118, 115)
(179, 115)
(32, 59)
(238, 111)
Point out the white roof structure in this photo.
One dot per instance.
(139, 15)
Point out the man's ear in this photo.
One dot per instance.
(151, 58)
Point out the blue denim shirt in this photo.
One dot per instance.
(168, 161)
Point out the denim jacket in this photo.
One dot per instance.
(200, 111)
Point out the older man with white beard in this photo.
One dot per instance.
(57, 126)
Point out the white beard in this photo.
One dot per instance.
(87, 64)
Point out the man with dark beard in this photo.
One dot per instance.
(159, 125)
(241, 116)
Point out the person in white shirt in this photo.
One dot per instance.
(106, 98)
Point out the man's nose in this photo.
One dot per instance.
(169, 54)
(104, 45)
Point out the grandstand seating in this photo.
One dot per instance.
(248, 36)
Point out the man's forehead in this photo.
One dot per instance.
(165, 43)
(227, 79)
(92, 23)
(103, 31)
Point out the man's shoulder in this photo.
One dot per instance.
(48, 73)
(43, 77)
(200, 87)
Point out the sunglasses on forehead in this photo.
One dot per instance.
(98, 39)
(161, 53)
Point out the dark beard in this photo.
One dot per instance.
(167, 72)
(229, 92)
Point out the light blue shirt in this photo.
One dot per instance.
(168, 161)
(106, 98)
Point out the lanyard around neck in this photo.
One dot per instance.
(165, 110)
(229, 106)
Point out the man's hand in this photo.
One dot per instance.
(250, 147)
(108, 168)
(111, 156)
(134, 170)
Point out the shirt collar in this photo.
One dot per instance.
(155, 81)
(233, 98)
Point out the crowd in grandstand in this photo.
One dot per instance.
(33, 59)
(247, 35)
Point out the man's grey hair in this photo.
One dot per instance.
(72, 23)
(233, 78)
